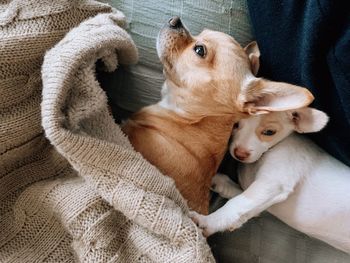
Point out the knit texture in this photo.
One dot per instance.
(83, 194)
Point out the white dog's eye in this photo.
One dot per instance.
(236, 125)
(200, 50)
(268, 132)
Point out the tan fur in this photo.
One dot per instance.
(264, 96)
(188, 140)
(189, 152)
(190, 146)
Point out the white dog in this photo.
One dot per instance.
(295, 180)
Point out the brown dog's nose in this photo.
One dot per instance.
(175, 22)
(241, 154)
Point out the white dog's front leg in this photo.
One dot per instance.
(260, 195)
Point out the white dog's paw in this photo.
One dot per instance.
(224, 186)
(215, 222)
(203, 222)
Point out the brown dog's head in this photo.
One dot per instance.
(211, 74)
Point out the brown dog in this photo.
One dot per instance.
(209, 85)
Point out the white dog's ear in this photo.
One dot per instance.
(308, 120)
(261, 96)
(253, 52)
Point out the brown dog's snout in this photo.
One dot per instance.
(175, 22)
(241, 154)
(172, 39)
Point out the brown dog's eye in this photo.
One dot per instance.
(200, 50)
(268, 132)
(236, 125)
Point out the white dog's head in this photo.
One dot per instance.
(253, 136)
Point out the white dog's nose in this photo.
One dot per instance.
(241, 154)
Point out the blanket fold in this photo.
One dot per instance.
(86, 195)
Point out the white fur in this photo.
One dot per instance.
(167, 102)
(246, 138)
(296, 181)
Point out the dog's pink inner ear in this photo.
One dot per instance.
(253, 52)
(263, 96)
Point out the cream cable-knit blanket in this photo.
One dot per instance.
(112, 206)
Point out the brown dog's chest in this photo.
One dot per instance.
(190, 153)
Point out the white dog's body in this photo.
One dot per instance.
(313, 192)
(295, 180)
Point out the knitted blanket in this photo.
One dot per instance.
(75, 190)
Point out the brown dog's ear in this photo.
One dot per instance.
(308, 120)
(253, 52)
(262, 96)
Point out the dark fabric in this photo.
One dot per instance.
(308, 43)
